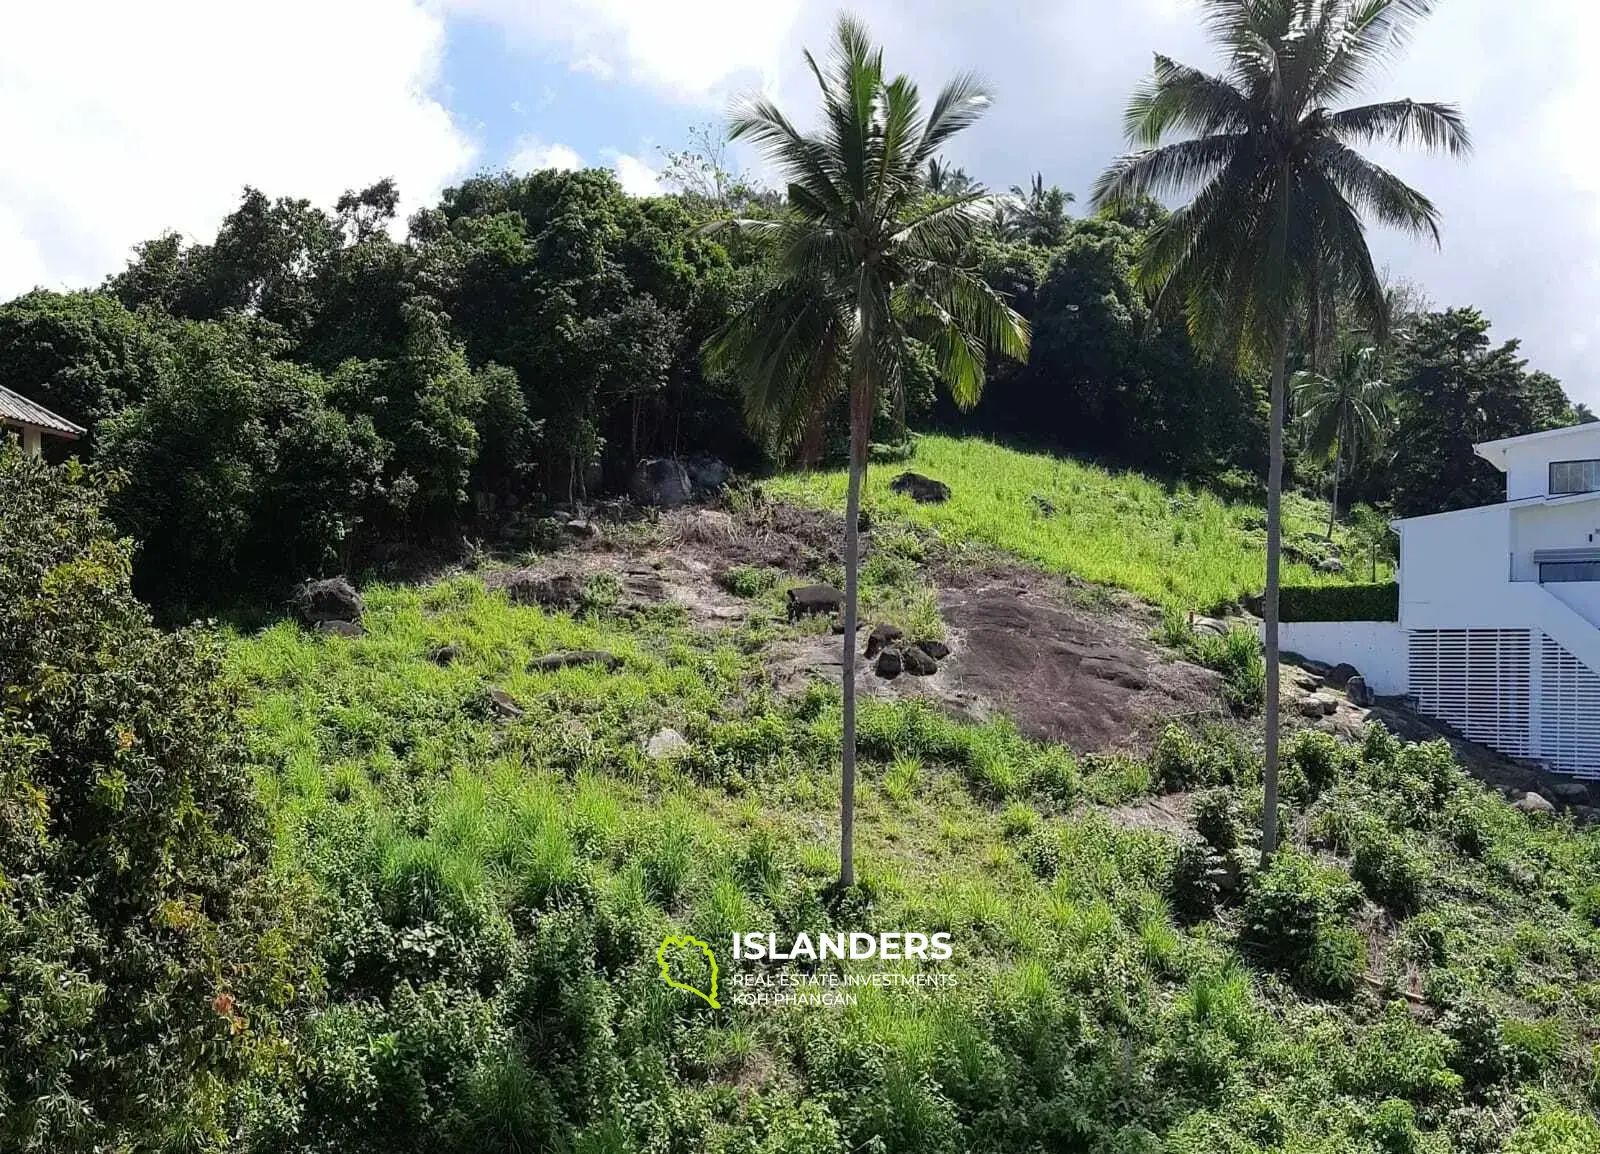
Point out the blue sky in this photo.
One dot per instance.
(508, 96)
(160, 112)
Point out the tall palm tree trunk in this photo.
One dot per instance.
(1269, 608)
(860, 430)
(1333, 505)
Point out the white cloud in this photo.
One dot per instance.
(121, 120)
(533, 155)
(693, 50)
(636, 176)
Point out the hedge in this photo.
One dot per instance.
(1379, 602)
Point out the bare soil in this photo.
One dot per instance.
(1065, 667)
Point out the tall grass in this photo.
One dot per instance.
(1175, 545)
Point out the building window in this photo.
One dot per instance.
(1559, 571)
(1574, 477)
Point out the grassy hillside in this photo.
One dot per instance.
(1175, 545)
(1422, 974)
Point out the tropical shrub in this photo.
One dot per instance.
(146, 956)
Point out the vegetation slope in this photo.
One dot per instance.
(1177, 545)
(1416, 973)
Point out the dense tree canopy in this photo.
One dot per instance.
(312, 383)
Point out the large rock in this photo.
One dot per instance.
(1318, 705)
(923, 490)
(551, 662)
(1341, 674)
(882, 636)
(665, 745)
(809, 599)
(707, 474)
(445, 654)
(1532, 803)
(937, 650)
(331, 599)
(889, 664)
(1571, 792)
(914, 661)
(559, 591)
(1359, 693)
(661, 482)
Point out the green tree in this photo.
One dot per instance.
(1344, 410)
(240, 473)
(80, 354)
(1455, 390)
(146, 951)
(863, 261)
(1276, 222)
(1039, 214)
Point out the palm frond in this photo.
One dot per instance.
(958, 106)
(1370, 33)
(1436, 127)
(1179, 97)
(1376, 190)
(1165, 171)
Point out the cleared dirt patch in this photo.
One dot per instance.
(1067, 663)
(1087, 678)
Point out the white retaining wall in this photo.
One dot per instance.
(1377, 648)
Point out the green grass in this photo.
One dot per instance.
(1177, 546)
(494, 892)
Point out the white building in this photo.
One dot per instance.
(1499, 630)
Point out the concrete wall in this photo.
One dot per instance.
(1574, 526)
(1528, 466)
(1377, 648)
(1455, 568)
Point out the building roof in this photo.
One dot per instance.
(1519, 503)
(1494, 451)
(16, 409)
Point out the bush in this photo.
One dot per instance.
(748, 580)
(1318, 757)
(1238, 657)
(143, 961)
(1294, 921)
(1379, 602)
(1219, 819)
(1393, 874)
(1182, 761)
(1392, 1128)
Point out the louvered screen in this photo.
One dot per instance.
(1569, 712)
(1477, 680)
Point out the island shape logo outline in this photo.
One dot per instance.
(685, 941)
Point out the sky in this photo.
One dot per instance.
(119, 120)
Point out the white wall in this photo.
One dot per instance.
(1455, 568)
(1528, 466)
(1377, 648)
(1582, 596)
(1574, 526)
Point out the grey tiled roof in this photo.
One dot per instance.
(14, 407)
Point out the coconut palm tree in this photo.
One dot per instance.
(943, 180)
(1280, 199)
(862, 261)
(1343, 410)
(1040, 213)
